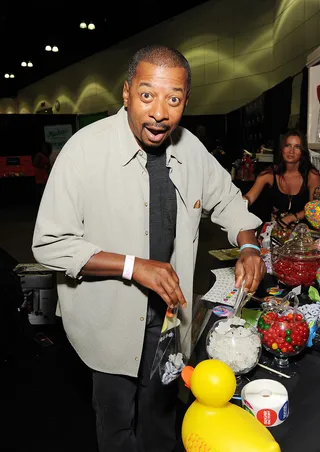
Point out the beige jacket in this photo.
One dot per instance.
(97, 198)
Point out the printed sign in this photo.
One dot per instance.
(57, 136)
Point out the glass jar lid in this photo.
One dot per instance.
(300, 246)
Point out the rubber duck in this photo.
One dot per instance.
(212, 423)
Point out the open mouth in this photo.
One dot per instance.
(155, 134)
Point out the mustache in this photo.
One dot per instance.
(155, 125)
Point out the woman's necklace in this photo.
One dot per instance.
(288, 190)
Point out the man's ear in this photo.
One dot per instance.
(187, 98)
(125, 93)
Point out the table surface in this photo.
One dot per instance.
(300, 430)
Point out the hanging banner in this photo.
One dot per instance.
(57, 136)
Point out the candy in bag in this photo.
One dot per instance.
(169, 359)
(174, 351)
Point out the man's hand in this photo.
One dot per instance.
(161, 278)
(251, 268)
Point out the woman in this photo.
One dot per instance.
(292, 182)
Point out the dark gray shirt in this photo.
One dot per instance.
(163, 215)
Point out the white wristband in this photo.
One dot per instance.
(128, 267)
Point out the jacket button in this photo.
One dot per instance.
(136, 358)
(142, 319)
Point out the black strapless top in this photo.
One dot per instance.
(281, 201)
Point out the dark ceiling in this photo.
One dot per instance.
(27, 27)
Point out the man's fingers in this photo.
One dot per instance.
(175, 277)
(254, 284)
(239, 274)
(173, 291)
(159, 289)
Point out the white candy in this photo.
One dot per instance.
(310, 311)
(173, 368)
(237, 347)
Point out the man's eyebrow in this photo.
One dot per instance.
(150, 85)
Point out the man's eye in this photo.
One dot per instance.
(174, 100)
(146, 96)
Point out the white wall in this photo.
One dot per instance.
(296, 33)
(237, 49)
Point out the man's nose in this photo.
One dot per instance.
(159, 110)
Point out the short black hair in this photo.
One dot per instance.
(160, 55)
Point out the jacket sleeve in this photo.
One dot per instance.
(58, 241)
(224, 200)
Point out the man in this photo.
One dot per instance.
(119, 221)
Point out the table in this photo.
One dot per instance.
(300, 431)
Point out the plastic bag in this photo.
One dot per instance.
(169, 359)
(173, 351)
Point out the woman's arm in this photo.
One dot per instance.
(293, 217)
(313, 183)
(257, 187)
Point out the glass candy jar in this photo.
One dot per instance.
(236, 343)
(284, 331)
(297, 261)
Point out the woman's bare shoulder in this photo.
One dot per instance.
(266, 177)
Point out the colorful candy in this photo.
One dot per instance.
(274, 290)
(283, 334)
(312, 213)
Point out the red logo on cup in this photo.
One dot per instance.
(267, 417)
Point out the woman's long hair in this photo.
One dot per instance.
(305, 165)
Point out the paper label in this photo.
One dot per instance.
(267, 416)
(284, 412)
(223, 290)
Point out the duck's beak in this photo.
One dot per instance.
(186, 375)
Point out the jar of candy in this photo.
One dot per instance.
(297, 261)
(284, 331)
(236, 343)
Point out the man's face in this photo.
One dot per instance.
(155, 102)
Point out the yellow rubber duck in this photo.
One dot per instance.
(212, 423)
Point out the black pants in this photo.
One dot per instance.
(136, 414)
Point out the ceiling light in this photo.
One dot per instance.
(55, 49)
(11, 75)
(30, 64)
(91, 26)
(83, 25)
(6, 75)
(23, 64)
(48, 48)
